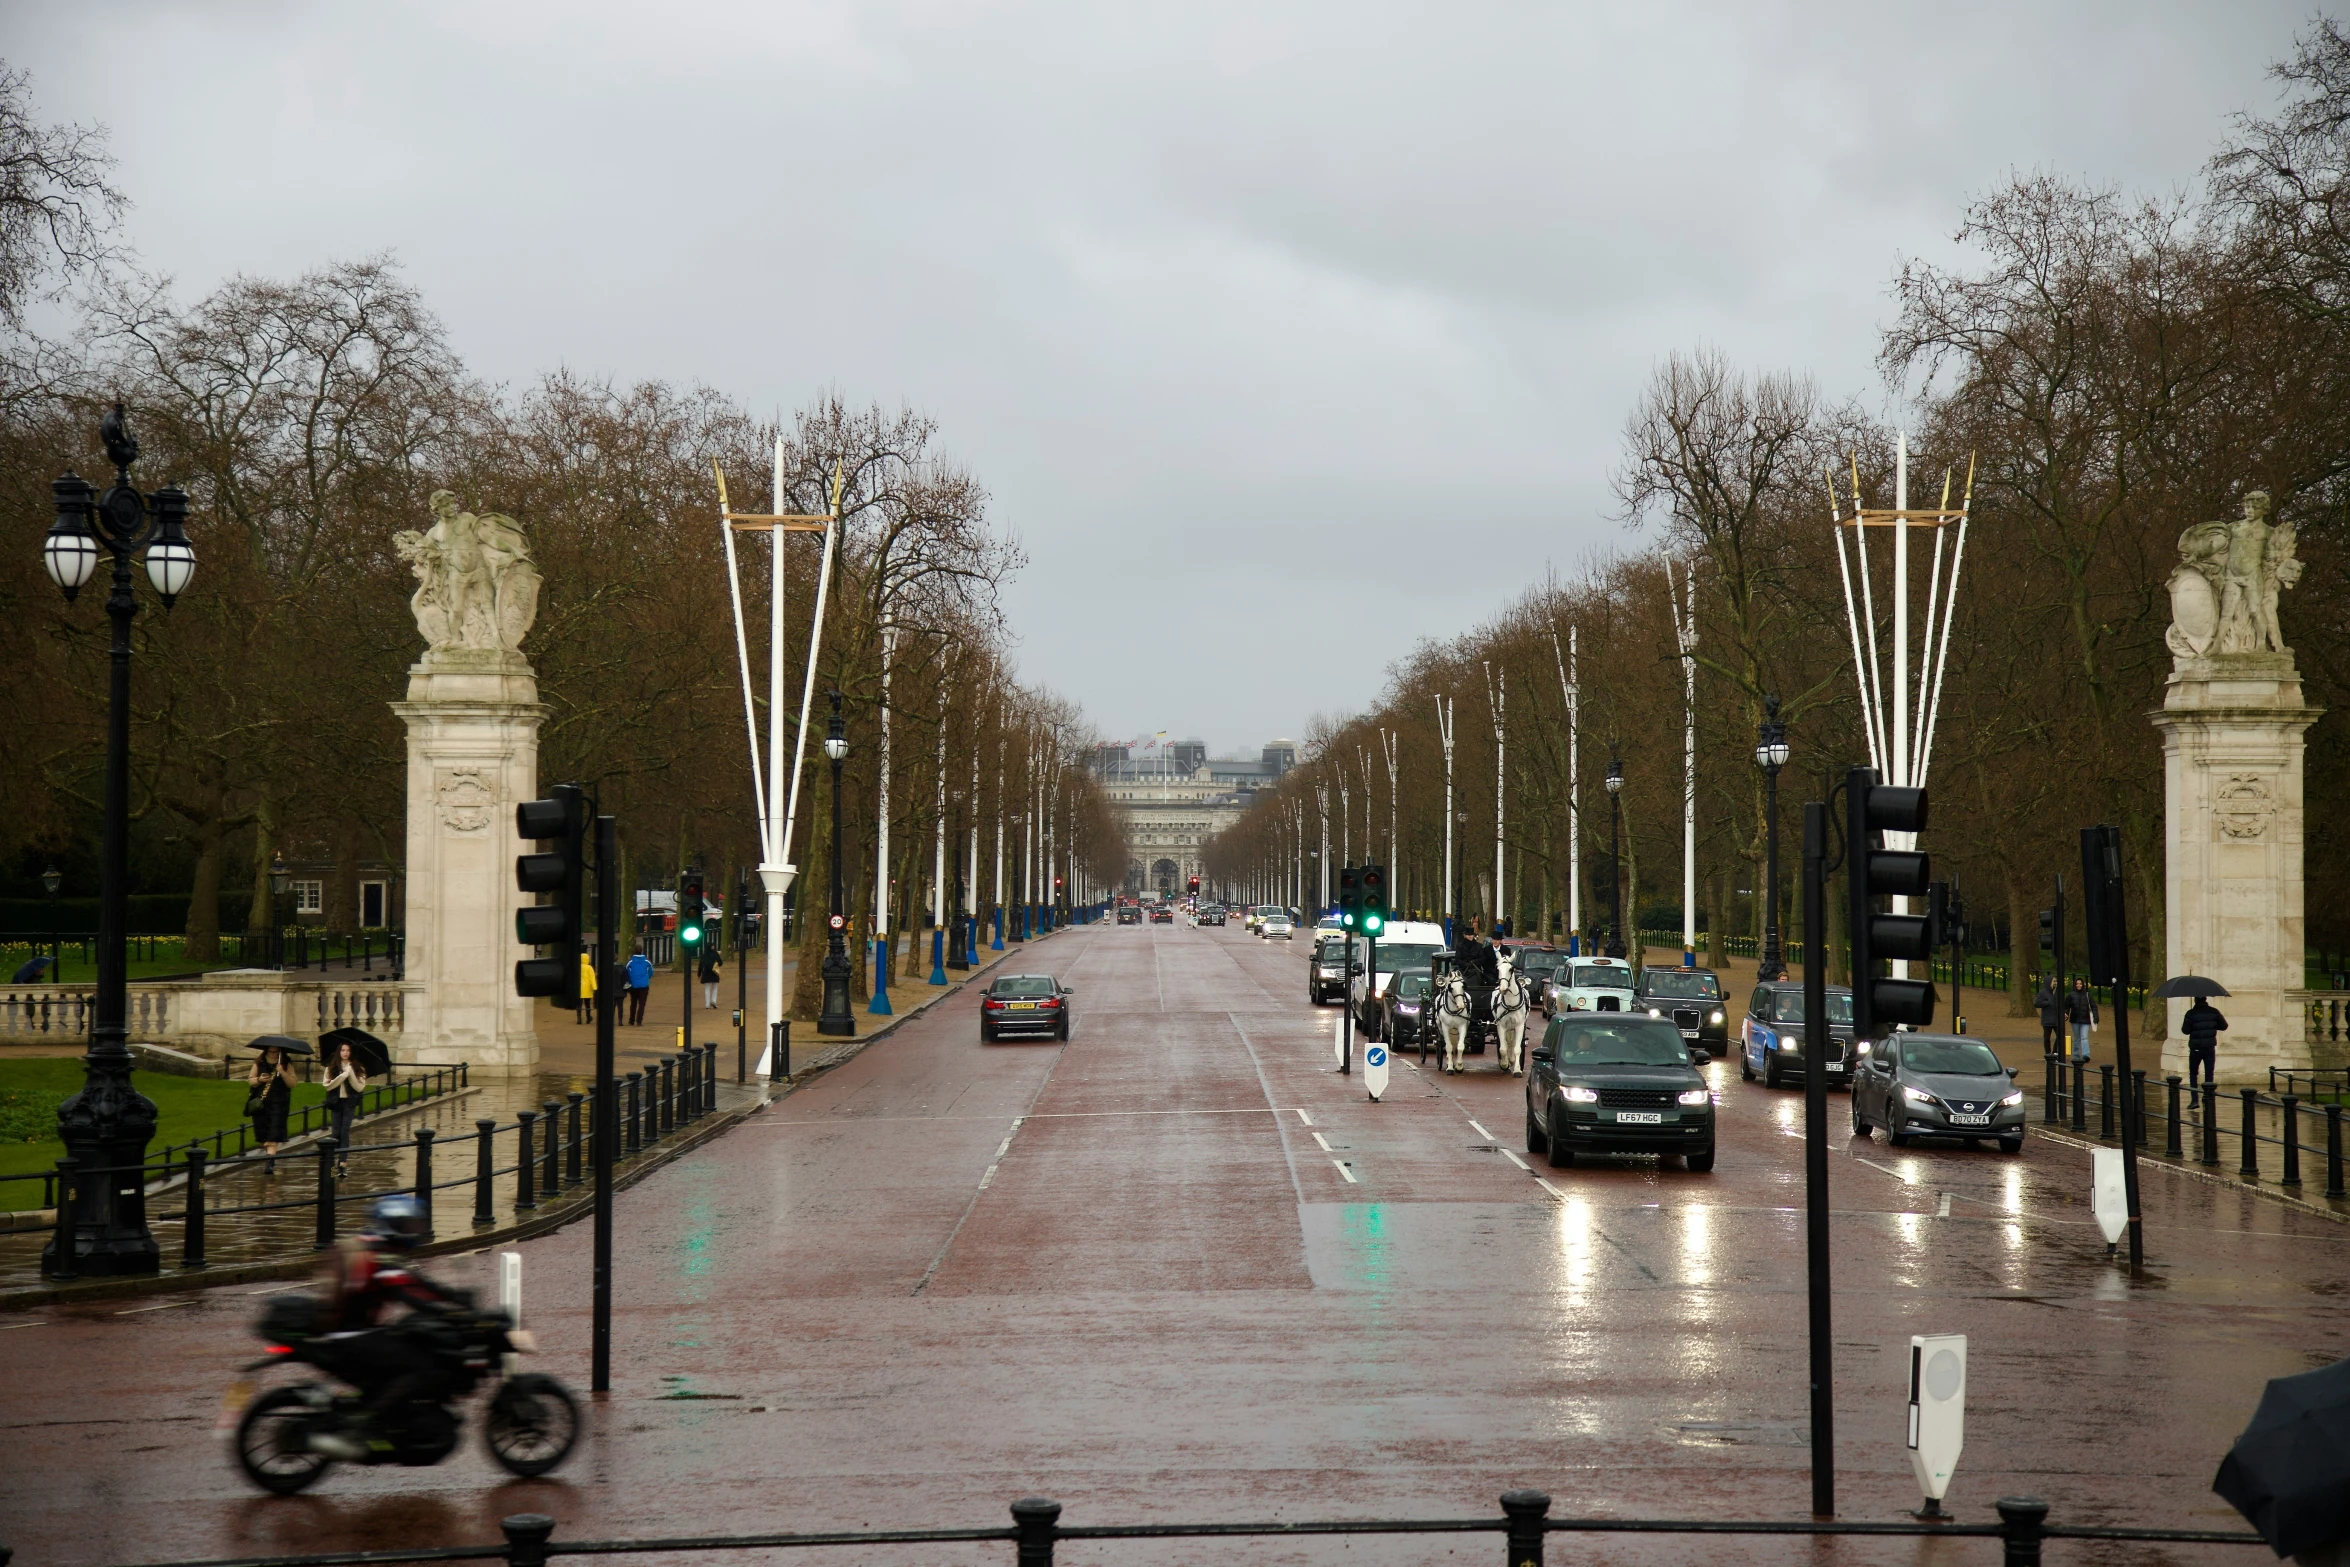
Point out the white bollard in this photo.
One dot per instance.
(1937, 1413)
(2109, 1196)
(1375, 1068)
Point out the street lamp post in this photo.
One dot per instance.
(52, 879)
(835, 1018)
(279, 880)
(107, 1126)
(1770, 754)
(1615, 858)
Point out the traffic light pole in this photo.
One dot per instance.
(2108, 957)
(1346, 1023)
(1815, 1153)
(607, 1106)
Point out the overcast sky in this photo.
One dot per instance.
(1259, 321)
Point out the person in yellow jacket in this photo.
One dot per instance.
(587, 987)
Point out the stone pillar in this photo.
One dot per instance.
(2232, 727)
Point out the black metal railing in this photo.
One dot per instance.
(547, 1152)
(2195, 1119)
(1036, 1532)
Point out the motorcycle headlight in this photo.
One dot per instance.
(1695, 1096)
(1916, 1096)
(1583, 1096)
(2015, 1098)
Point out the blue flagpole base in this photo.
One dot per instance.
(880, 1007)
(938, 956)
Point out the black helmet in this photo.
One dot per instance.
(398, 1222)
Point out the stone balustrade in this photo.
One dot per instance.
(217, 1014)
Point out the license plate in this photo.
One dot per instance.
(1970, 1120)
(1642, 1117)
(1020, 1006)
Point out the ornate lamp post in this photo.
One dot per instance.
(279, 880)
(52, 879)
(835, 1018)
(1615, 859)
(1770, 754)
(106, 1127)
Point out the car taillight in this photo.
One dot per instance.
(991, 1003)
(1054, 1002)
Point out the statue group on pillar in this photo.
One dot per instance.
(2224, 591)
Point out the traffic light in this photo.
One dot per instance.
(1350, 899)
(560, 924)
(2048, 930)
(1195, 884)
(691, 911)
(2101, 905)
(1371, 899)
(1872, 808)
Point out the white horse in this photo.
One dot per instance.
(1453, 1010)
(1510, 1006)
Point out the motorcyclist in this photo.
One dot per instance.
(389, 1363)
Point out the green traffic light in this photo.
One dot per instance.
(689, 934)
(1373, 924)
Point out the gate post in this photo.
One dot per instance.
(1037, 1521)
(1525, 1511)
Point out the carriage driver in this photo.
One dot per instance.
(1480, 966)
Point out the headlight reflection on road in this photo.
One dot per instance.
(1697, 1245)
(1574, 1249)
(1787, 1114)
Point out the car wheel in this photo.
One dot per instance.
(1860, 1125)
(1895, 1139)
(986, 1035)
(1770, 1074)
(1702, 1163)
(2011, 1145)
(1745, 1065)
(1536, 1142)
(1561, 1156)
(1062, 1033)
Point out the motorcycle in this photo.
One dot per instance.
(529, 1424)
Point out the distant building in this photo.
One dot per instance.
(1172, 797)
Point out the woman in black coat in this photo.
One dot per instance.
(272, 1081)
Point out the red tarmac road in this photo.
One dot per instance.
(1179, 1269)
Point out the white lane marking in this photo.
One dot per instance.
(1520, 1163)
(838, 1121)
(1942, 1209)
(1481, 1132)
(1322, 1142)
(988, 1178)
(1003, 1148)
(1872, 1164)
(13, 1326)
(166, 1306)
(1546, 1186)
(278, 1289)
(1302, 1117)
(1343, 1170)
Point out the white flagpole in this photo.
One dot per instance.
(1685, 630)
(1860, 670)
(742, 662)
(1569, 690)
(1444, 730)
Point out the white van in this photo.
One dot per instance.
(1403, 944)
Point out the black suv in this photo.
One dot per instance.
(1211, 914)
(1617, 1082)
(1692, 999)
(1128, 914)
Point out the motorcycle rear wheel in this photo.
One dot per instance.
(273, 1443)
(531, 1424)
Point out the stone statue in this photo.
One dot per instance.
(2223, 593)
(477, 588)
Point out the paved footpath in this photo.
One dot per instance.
(1178, 1268)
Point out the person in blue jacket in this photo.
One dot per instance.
(640, 985)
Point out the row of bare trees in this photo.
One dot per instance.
(310, 419)
(2113, 371)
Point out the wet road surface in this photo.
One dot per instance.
(1178, 1269)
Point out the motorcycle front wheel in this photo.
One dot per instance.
(531, 1424)
(273, 1442)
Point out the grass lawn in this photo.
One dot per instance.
(151, 957)
(30, 1092)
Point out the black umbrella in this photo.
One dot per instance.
(292, 1047)
(2189, 985)
(29, 973)
(2289, 1473)
(372, 1054)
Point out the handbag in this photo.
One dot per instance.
(253, 1101)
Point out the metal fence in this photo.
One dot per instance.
(2264, 1132)
(550, 1154)
(1036, 1531)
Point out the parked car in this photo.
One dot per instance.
(1024, 1004)
(1326, 973)
(1128, 914)
(1592, 985)
(1616, 1084)
(1771, 1037)
(1936, 1085)
(1692, 998)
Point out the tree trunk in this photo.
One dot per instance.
(203, 927)
(261, 915)
(341, 911)
(814, 903)
(2023, 947)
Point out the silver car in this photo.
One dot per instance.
(1935, 1085)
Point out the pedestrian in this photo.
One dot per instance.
(2203, 1025)
(587, 988)
(710, 975)
(345, 1083)
(640, 984)
(270, 1084)
(2050, 1001)
(2080, 1011)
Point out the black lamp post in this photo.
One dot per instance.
(1770, 754)
(835, 1018)
(106, 1127)
(52, 879)
(1615, 859)
(279, 880)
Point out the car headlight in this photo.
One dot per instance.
(1916, 1096)
(1653, 1012)
(1717, 1016)
(1412, 1008)
(1786, 1042)
(1583, 1096)
(1695, 1096)
(2015, 1098)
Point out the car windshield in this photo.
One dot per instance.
(1962, 1056)
(1267, 908)
(1620, 1041)
(1789, 1007)
(1673, 984)
(1024, 985)
(1405, 954)
(1537, 962)
(1411, 987)
(1595, 976)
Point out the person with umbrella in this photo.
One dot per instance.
(2202, 1025)
(345, 1084)
(271, 1097)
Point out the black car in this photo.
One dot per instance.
(1537, 965)
(1128, 914)
(1024, 1004)
(1770, 1042)
(1404, 1008)
(1212, 914)
(1326, 972)
(1692, 999)
(1162, 914)
(1936, 1085)
(1617, 1083)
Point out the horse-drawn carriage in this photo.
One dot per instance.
(1465, 1014)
